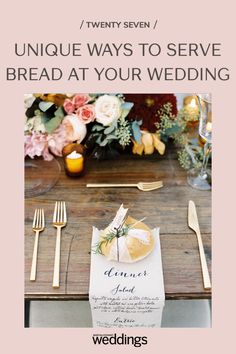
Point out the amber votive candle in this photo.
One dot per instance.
(74, 159)
(191, 105)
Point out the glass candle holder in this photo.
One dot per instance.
(191, 105)
(74, 159)
(200, 178)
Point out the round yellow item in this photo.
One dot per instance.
(136, 248)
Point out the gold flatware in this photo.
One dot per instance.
(38, 226)
(194, 225)
(59, 221)
(143, 186)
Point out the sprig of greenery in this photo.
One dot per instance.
(120, 232)
(169, 125)
(123, 132)
(104, 135)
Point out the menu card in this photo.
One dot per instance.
(126, 294)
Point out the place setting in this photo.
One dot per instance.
(127, 204)
(126, 275)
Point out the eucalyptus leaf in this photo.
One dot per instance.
(94, 128)
(95, 134)
(164, 138)
(44, 118)
(174, 130)
(109, 129)
(59, 112)
(97, 128)
(99, 139)
(111, 137)
(52, 124)
(126, 107)
(44, 106)
(104, 142)
(136, 131)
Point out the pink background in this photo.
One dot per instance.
(179, 21)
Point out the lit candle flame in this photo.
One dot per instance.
(74, 155)
(193, 103)
(209, 127)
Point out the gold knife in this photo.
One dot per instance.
(194, 225)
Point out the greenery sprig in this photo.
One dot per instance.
(118, 232)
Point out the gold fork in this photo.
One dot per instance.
(38, 226)
(59, 221)
(143, 186)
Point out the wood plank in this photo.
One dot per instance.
(166, 207)
(180, 256)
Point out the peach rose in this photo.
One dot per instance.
(75, 129)
(86, 113)
(80, 100)
(69, 106)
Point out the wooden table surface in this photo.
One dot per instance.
(166, 208)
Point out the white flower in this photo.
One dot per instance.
(107, 109)
(28, 100)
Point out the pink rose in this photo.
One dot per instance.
(69, 106)
(86, 113)
(80, 100)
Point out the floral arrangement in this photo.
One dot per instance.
(54, 120)
(107, 124)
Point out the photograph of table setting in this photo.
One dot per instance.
(117, 209)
